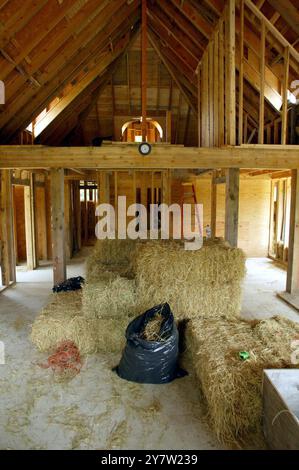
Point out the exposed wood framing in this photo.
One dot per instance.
(8, 262)
(292, 285)
(213, 204)
(144, 69)
(262, 83)
(284, 116)
(232, 206)
(58, 225)
(126, 156)
(30, 224)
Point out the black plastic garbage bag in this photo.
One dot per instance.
(74, 283)
(153, 362)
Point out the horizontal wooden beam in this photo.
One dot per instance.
(126, 156)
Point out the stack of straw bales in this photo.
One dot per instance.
(95, 319)
(62, 320)
(125, 278)
(206, 282)
(232, 387)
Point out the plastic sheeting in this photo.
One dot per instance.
(153, 362)
(74, 283)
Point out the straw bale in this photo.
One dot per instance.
(112, 296)
(232, 387)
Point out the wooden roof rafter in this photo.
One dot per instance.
(58, 59)
(68, 73)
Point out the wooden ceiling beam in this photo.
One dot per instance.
(185, 25)
(14, 15)
(85, 101)
(193, 14)
(61, 45)
(126, 156)
(31, 105)
(191, 100)
(175, 59)
(216, 5)
(288, 12)
(33, 32)
(82, 102)
(192, 45)
(174, 45)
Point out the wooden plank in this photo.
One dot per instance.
(104, 188)
(199, 120)
(205, 101)
(211, 92)
(262, 84)
(194, 15)
(168, 126)
(216, 90)
(232, 206)
(178, 117)
(30, 226)
(166, 197)
(58, 225)
(173, 73)
(6, 226)
(284, 116)
(280, 409)
(213, 205)
(231, 77)
(292, 284)
(126, 156)
(288, 12)
(221, 83)
(41, 218)
(144, 69)
(274, 31)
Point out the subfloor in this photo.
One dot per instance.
(97, 410)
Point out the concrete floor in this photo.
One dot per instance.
(97, 410)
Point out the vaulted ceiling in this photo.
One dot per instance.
(74, 59)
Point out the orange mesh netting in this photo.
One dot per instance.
(66, 357)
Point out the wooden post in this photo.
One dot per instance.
(232, 206)
(58, 225)
(198, 108)
(262, 85)
(144, 69)
(30, 225)
(216, 90)
(168, 126)
(231, 72)
(104, 188)
(205, 101)
(292, 285)
(166, 187)
(211, 92)
(213, 204)
(221, 83)
(8, 264)
(67, 218)
(241, 74)
(232, 176)
(41, 223)
(284, 124)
